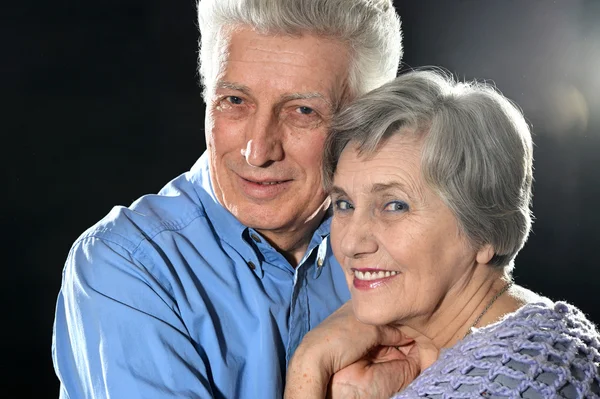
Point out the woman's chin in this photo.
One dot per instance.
(367, 315)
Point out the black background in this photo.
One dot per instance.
(101, 104)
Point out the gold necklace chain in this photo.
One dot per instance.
(489, 305)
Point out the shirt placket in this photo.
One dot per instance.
(299, 316)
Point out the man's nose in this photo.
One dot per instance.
(263, 140)
(358, 237)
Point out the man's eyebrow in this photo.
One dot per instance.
(282, 100)
(304, 96)
(286, 97)
(233, 86)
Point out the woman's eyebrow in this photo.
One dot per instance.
(396, 185)
(338, 191)
(379, 187)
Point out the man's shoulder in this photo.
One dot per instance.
(171, 210)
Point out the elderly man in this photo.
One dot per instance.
(206, 289)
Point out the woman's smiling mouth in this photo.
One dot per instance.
(367, 279)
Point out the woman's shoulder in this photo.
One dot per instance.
(543, 321)
(544, 349)
(546, 326)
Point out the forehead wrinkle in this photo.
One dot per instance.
(273, 56)
(377, 182)
(277, 51)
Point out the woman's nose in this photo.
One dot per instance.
(358, 239)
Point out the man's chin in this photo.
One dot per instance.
(262, 217)
(283, 216)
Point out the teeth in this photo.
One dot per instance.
(269, 183)
(373, 275)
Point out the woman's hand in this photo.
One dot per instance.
(383, 372)
(365, 359)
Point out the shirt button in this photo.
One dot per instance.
(251, 265)
(255, 237)
(320, 262)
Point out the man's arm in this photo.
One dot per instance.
(117, 332)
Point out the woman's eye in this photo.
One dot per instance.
(396, 206)
(342, 205)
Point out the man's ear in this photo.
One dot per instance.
(485, 254)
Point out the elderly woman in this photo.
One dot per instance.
(430, 182)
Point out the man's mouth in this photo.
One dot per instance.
(266, 183)
(264, 189)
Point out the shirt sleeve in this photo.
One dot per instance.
(117, 332)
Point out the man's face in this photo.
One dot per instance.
(266, 123)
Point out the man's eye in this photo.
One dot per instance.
(396, 206)
(232, 107)
(234, 100)
(303, 117)
(305, 110)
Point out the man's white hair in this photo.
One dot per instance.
(370, 28)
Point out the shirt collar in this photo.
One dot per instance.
(321, 239)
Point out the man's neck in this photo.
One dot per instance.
(293, 242)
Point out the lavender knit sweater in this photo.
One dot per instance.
(543, 350)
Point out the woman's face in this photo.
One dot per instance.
(398, 243)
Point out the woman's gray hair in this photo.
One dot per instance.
(477, 151)
(371, 28)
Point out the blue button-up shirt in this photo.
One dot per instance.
(173, 298)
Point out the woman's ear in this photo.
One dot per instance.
(485, 254)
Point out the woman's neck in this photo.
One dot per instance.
(477, 302)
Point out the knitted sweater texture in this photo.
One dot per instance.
(543, 350)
